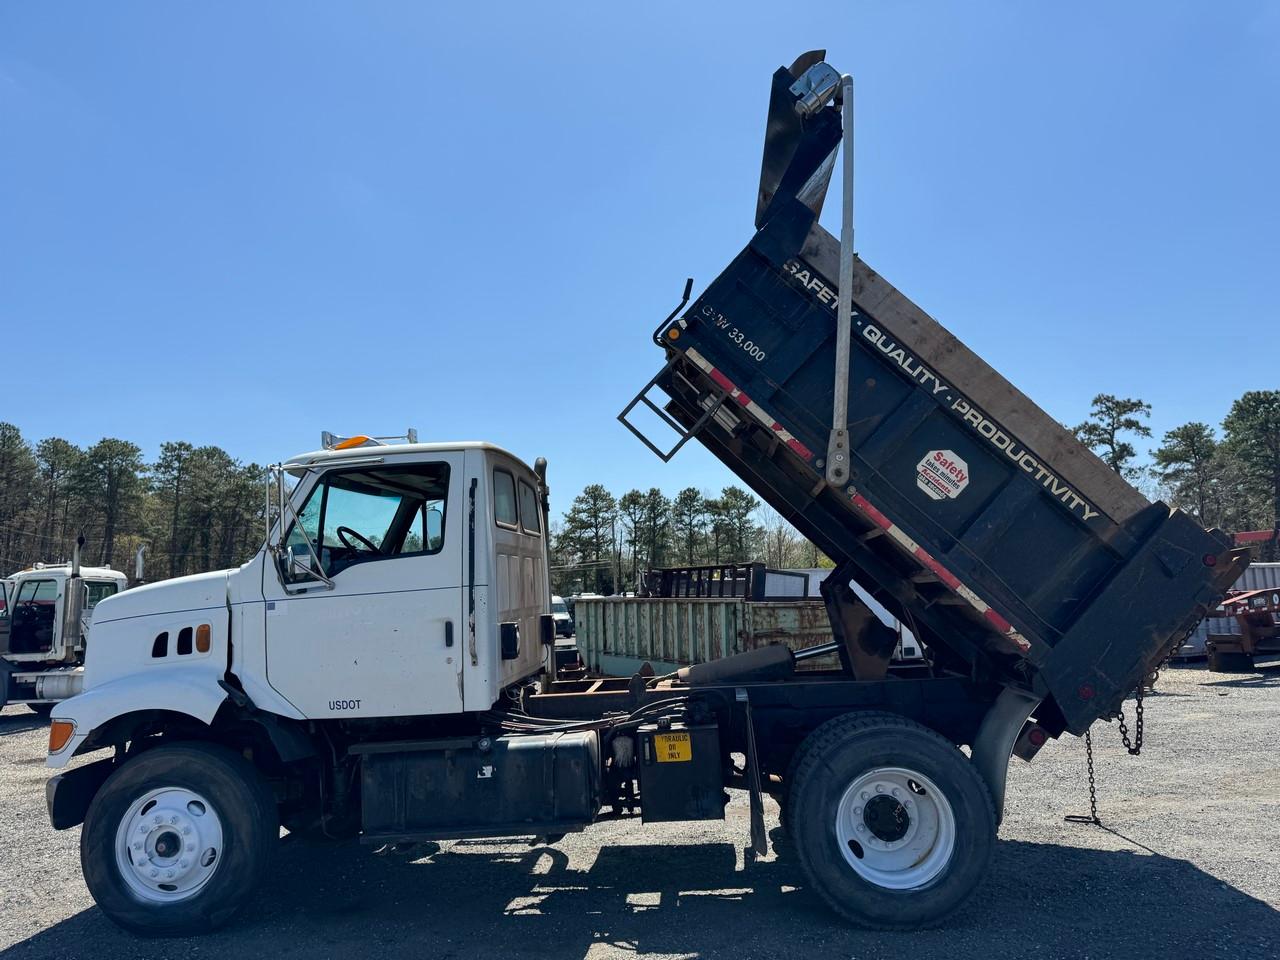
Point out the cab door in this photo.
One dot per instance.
(34, 618)
(383, 637)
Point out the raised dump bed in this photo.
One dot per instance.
(969, 512)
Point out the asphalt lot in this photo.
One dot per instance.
(1190, 868)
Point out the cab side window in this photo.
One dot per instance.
(96, 590)
(378, 513)
(530, 513)
(504, 499)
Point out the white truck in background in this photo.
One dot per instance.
(47, 608)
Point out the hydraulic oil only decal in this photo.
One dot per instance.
(942, 475)
(816, 286)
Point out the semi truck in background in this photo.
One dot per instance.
(44, 623)
(382, 668)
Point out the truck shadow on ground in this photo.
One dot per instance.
(1265, 675)
(21, 723)
(484, 900)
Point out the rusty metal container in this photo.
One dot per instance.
(617, 635)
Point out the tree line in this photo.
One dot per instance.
(194, 508)
(1226, 477)
(604, 544)
(198, 508)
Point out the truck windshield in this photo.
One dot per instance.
(558, 606)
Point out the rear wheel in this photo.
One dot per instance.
(894, 827)
(41, 709)
(177, 838)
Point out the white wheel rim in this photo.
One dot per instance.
(169, 843)
(895, 828)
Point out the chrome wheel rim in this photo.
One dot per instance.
(169, 844)
(895, 828)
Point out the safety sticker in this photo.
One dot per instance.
(942, 475)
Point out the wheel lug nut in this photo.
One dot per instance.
(182, 864)
(857, 811)
(862, 828)
(169, 874)
(186, 831)
(159, 819)
(879, 788)
(174, 818)
(865, 795)
(155, 873)
(897, 792)
(137, 844)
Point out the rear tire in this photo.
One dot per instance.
(41, 709)
(177, 838)
(893, 826)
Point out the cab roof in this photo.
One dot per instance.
(374, 451)
(102, 573)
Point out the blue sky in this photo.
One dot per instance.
(241, 224)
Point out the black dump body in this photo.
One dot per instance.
(1008, 546)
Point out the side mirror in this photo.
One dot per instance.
(298, 565)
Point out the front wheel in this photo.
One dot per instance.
(894, 827)
(177, 838)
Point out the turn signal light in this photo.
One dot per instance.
(202, 638)
(350, 442)
(60, 732)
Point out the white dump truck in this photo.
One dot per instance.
(47, 608)
(380, 668)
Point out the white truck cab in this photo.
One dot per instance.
(400, 580)
(44, 621)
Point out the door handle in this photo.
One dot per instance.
(448, 633)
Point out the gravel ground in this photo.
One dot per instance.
(1189, 868)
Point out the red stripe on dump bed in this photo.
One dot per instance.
(878, 518)
(942, 573)
(721, 380)
(949, 579)
(999, 622)
(757, 411)
(795, 445)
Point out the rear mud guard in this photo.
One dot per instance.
(993, 745)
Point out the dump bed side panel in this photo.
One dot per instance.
(1031, 543)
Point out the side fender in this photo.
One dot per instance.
(190, 691)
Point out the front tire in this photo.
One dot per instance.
(893, 826)
(177, 838)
